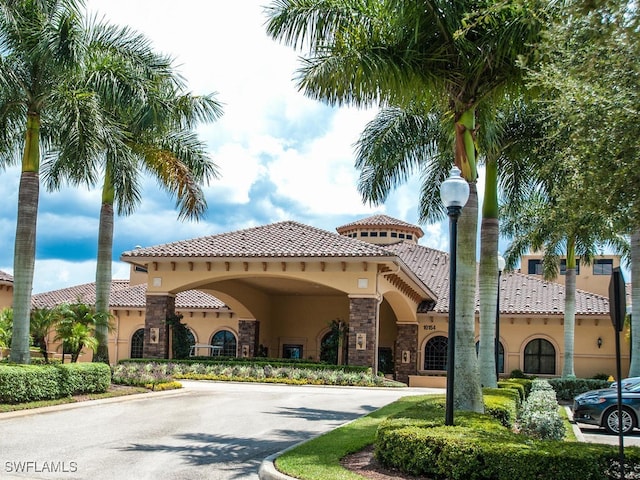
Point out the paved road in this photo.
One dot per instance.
(593, 434)
(207, 430)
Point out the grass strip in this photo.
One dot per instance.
(319, 459)
(569, 435)
(11, 407)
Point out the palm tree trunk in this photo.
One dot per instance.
(25, 243)
(569, 309)
(488, 281)
(634, 368)
(103, 271)
(468, 391)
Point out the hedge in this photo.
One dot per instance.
(484, 447)
(502, 404)
(567, 388)
(28, 383)
(462, 453)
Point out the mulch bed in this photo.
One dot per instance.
(364, 463)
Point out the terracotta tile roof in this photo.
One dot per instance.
(5, 277)
(519, 293)
(124, 296)
(282, 240)
(526, 294)
(429, 265)
(381, 221)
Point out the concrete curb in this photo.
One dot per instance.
(576, 430)
(268, 471)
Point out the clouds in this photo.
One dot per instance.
(282, 156)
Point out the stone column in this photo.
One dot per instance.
(248, 337)
(156, 332)
(363, 332)
(406, 352)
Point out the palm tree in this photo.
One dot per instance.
(508, 150)
(75, 327)
(41, 322)
(450, 55)
(150, 127)
(6, 325)
(42, 48)
(401, 141)
(595, 105)
(547, 224)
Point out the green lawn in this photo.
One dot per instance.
(320, 458)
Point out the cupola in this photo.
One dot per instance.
(381, 230)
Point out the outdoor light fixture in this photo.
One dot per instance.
(501, 265)
(454, 193)
(599, 342)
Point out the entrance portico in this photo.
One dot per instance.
(285, 283)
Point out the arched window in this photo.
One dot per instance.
(226, 341)
(435, 353)
(191, 338)
(540, 357)
(137, 343)
(500, 357)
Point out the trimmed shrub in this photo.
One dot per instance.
(525, 382)
(478, 447)
(517, 386)
(539, 417)
(502, 404)
(76, 378)
(28, 383)
(567, 388)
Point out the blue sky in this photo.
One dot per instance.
(281, 155)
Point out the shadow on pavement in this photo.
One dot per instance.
(223, 452)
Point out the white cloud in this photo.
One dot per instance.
(57, 274)
(320, 175)
(240, 167)
(281, 154)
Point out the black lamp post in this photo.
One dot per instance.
(454, 193)
(501, 265)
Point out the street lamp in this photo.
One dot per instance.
(454, 193)
(501, 265)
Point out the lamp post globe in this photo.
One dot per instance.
(454, 193)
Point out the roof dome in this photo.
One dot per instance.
(381, 230)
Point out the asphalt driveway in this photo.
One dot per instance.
(207, 430)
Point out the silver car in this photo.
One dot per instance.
(600, 407)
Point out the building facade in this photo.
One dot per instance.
(276, 290)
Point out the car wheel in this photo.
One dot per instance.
(611, 422)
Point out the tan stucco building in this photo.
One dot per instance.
(274, 290)
(6, 290)
(593, 277)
